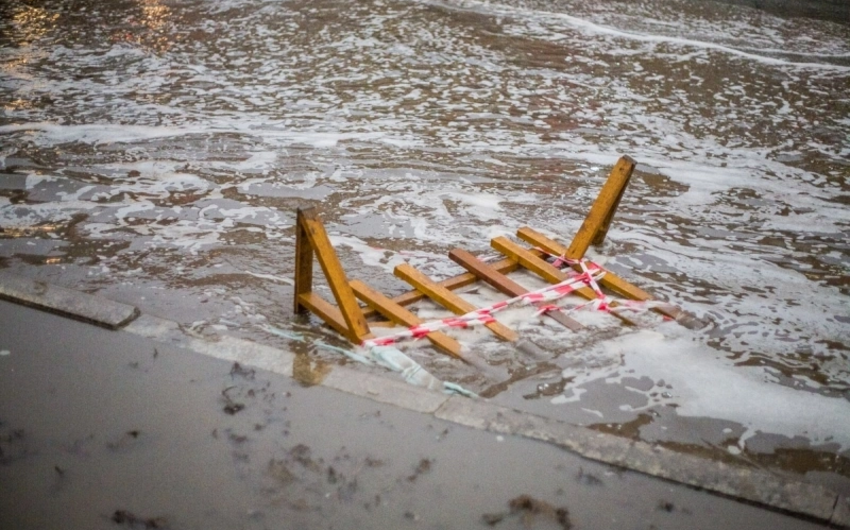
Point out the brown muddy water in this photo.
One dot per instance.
(155, 153)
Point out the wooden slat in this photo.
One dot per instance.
(330, 314)
(402, 316)
(530, 261)
(455, 282)
(545, 270)
(625, 164)
(303, 264)
(486, 272)
(610, 280)
(503, 284)
(448, 299)
(325, 253)
(602, 211)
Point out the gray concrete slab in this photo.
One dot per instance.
(103, 429)
(384, 390)
(74, 304)
(483, 415)
(746, 484)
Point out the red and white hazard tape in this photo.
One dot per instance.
(603, 302)
(591, 272)
(484, 315)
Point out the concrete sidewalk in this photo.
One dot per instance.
(111, 429)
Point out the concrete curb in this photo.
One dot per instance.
(74, 304)
(742, 483)
(745, 484)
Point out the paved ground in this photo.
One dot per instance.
(104, 429)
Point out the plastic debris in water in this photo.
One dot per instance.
(392, 358)
(281, 333)
(386, 356)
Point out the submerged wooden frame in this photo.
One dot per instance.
(349, 318)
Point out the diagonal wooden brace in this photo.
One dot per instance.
(595, 226)
(311, 238)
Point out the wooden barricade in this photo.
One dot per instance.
(351, 319)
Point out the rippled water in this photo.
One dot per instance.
(155, 152)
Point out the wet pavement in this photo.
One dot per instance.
(155, 152)
(105, 429)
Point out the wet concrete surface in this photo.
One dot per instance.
(104, 429)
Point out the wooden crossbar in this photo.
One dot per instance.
(327, 312)
(448, 299)
(545, 270)
(610, 280)
(452, 284)
(503, 284)
(402, 316)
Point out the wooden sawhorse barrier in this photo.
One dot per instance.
(349, 318)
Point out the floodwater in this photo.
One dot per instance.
(155, 153)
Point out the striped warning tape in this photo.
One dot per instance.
(483, 315)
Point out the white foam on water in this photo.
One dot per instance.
(23, 216)
(280, 279)
(562, 399)
(34, 179)
(705, 384)
(589, 27)
(372, 256)
(484, 206)
(49, 134)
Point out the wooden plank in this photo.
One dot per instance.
(610, 280)
(486, 272)
(530, 261)
(330, 314)
(325, 253)
(545, 270)
(624, 164)
(455, 282)
(402, 316)
(602, 211)
(303, 264)
(448, 299)
(503, 284)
